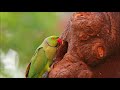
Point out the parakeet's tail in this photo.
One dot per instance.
(27, 70)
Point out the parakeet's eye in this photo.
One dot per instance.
(53, 38)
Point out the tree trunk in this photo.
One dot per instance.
(91, 47)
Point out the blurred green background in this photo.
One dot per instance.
(24, 32)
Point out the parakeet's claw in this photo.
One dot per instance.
(52, 66)
(45, 75)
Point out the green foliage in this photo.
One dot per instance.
(24, 31)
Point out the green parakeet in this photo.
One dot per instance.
(43, 57)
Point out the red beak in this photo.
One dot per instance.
(59, 41)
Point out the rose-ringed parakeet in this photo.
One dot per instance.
(43, 57)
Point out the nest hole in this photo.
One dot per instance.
(62, 50)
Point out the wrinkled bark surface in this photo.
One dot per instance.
(90, 39)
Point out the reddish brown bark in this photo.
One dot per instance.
(90, 40)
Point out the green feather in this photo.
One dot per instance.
(38, 62)
(42, 58)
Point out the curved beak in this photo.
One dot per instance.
(59, 41)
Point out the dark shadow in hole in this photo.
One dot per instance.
(62, 50)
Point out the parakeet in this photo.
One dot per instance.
(43, 57)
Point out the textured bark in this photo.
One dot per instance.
(89, 40)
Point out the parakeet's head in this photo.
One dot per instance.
(53, 41)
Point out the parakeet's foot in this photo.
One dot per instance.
(45, 75)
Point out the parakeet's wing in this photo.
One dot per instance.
(37, 64)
